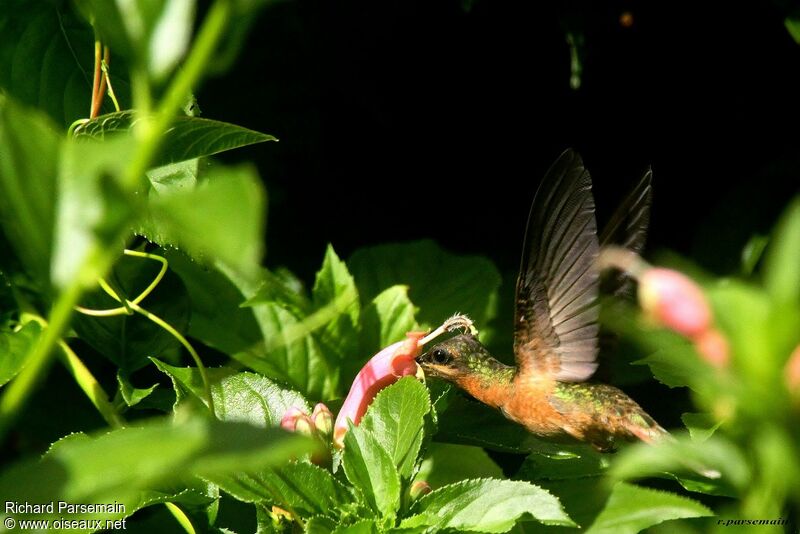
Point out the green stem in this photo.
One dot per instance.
(181, 517)
(177, 335)
(88, 383)
(214, 24)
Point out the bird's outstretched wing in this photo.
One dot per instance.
(555, 324)
(627, 228)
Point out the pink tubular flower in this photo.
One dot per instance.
(383, 369)
(712, 347)
(675, 301)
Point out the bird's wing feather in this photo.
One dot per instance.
(627, 228)
(555, 326)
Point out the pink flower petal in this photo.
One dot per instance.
(383, 369)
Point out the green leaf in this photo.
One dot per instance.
(46, 56)
(154, 34)
(244, 396)
(335, 290)
(29, 148)
(370, 468)
(131, 394)
(782, 269)
(387, 319)
(289, 353)
(93, 207)
(188, 137)
(298, 486)
(630, 509)
(222, 219)
(445, 464)
(439, 282)
(683, 460)
(14, 346)
(218, 320)
(540, 466)
(792, 24)
(181, 176)
(396, 418)
(283, 288)
(486, 505)
(701, 426)
(118, 465)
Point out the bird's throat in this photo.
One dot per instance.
(490, 382)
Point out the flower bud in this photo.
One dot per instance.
(383, 369)
(323, 419)
(290, 418)
(305, 426)
(713, 347)
(418, 489)
(675, 301)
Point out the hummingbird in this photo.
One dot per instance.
(556, 321)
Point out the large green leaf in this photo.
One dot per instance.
(334, 289)
(299, 486)
(218, 320)
(244, 396)
(371, 469)
(128, 340)
(222, 219)
(439, 282)
(29, 148)
(118, 465)
(630, 509)
(387, 319)
(687, 461)
(46, 57)
(14, 346)
(94, 207)
(395, 418)
(486, 505)
(188, 138)
(446, 463)
(289, 353)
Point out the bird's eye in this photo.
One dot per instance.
(440, 356)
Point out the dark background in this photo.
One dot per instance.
(400, 119)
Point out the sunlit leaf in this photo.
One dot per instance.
(299, 486)
(188, 138)
(370, 468)
(221, 219)
(631, 509)
(486, 505)
(395, 418)
(118, 465)
(243, 396)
